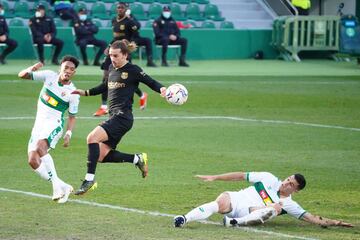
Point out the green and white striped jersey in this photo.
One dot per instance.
(55, 98)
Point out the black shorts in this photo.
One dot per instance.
(116, 127)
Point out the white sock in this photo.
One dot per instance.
(89, 177)
(42, 171)
(136, 159)
(257, 217)
(103, 106)
(202, 212)
(50, 167)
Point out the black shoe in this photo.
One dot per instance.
(183, 64)
(179, 221)
(164, 64)
(150, 63)
(55, 62)
(96, 63)
(86, 186)
(85, 63)
(2, 61)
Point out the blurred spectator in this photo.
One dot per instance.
(167, 33)
(65, 10)
(4, 36)
(141, 41)
(85, 30)
(43, 32)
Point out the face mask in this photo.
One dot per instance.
(128, 12)
(2, 12)
(166, 14)
(37, 14)
(83, 17)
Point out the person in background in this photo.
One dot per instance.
(85, 30)
(167, 33)
(4, 36)
(43, 31)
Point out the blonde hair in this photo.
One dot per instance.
(124, 45)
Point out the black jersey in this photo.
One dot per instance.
(121, 85)
(125, 28)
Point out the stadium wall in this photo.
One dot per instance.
(203, 43)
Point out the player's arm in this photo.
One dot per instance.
(152, 83)
(102, 87)
(233, 176)
(70, 127)
(26, 73)
(324, 222)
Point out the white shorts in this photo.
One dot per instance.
(50, 129)
(240, 203)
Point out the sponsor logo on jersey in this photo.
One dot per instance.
(50, 100)
(265, 197)
(124, 75)
(113, 85)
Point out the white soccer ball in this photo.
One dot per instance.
(176, 94)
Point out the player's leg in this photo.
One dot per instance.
(96, 136)
(221, 205)
(256, 217)
(103, 110)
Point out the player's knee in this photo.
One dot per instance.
(42, 147)
(33, 161)
(91, 138)
(223, 200)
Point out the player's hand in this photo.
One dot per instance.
(163, 91)
(344, 224)
(206, 178)
(79, 91)
(277, 206)
(172, 37)
(3, 38)
(36, 66)
(66, 140)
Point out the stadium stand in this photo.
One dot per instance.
(193, 12)
(98, 10)
(155, 10)
(208, 24)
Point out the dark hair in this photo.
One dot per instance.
(70, 59)
(124, 45)
(300, 179)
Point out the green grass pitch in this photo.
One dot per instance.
(240, 116)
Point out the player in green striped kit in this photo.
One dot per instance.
(267, 198)
(54, 100)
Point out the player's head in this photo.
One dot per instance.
(121, 9)
(293, 183)
(68, 67)
(120, 50)
(40, 11)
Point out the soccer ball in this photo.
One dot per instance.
(176, 94)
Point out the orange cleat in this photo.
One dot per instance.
(143, 101)
(101, 112)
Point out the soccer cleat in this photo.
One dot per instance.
(143, 101)
(229, 222)
(101, 112)
(142, 164)
(86, 186)
(179, 221)
(58, 193)
(68, 189)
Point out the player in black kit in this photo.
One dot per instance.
(123, 79)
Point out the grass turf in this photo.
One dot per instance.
(180, 148)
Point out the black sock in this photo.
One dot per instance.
(118, 157)
(93, 156)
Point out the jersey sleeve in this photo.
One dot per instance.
(254, 177)
(74, 104)
(292, 208)
(42, 76)
(146, 79)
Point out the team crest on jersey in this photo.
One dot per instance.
(122, 27)
(124, 75)
(63, 94)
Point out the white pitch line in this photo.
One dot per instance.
(152, 213)
(217, 117)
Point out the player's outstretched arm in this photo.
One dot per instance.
(324, 222)
(25, 73)
(233, 176)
